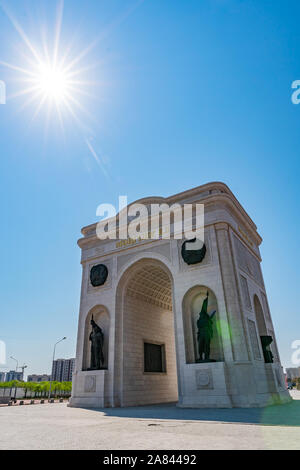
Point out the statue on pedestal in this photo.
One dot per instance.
(205, 332)
(96, 338)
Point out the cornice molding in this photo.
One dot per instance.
(225, 196)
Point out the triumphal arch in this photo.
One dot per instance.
(159, 323)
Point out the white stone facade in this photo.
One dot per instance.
(152, 295)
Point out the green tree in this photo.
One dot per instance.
(37, 389)
(29, 387)
(45, 388)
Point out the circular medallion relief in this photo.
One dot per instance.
(195, 255)
(98, 275)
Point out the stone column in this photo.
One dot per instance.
(232, 299)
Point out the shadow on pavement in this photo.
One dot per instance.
(276, 415)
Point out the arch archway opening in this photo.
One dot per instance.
(149, 370)
(191, 308)
(265, 339)
(101, 317)
(260, 319)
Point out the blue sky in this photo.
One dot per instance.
(184, 92)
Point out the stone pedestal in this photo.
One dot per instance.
(205, 386)
(89, 389)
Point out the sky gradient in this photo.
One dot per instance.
(184, 93)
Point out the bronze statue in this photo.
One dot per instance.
(265, 342)
(205, 332)
(96, 338)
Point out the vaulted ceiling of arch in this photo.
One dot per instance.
(152, 285)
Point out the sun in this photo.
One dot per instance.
(53, 75)
(52, 82)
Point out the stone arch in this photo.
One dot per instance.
(144, 313)
(267, 340)
(260, 318)
(102, 318)
(146, 255)
(191, 306)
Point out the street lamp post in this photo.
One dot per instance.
(49, 395)
(23, 367)
(11, 357)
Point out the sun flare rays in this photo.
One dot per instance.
(49, 75)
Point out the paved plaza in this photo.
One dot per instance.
(56, 426)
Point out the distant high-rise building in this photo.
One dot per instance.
(2, 376)
(13, 375)
(293, 373)
(38, 378)
(62, 370)
(56, 373)
(68, 368)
